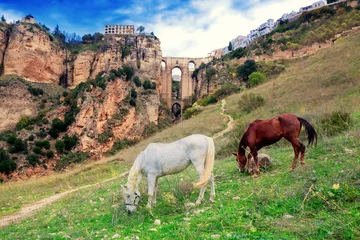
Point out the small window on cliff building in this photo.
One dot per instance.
(191, 66)
(163, 65)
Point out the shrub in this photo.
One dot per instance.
(137, 81)
(6, 165)
(31, 138)
(41, 133)
(121, 144)
(150, 129)
(37, 150)
(206, 100)
(33, 159)
(188, 113)
(23, 122)
(129, 71)
(147, 84)
(335, 122)
(226, 90)
(11, 139)
(70, 142)
(251, 101)
(133, 93)
(71, 158)
(49, 154)
(132, 102)
(35, 91)
(43, 144)
(18, 146)
(104, 136)
(59, 146)
(256, 78)
(57, 126)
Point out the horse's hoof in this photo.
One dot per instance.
(291, 169)
(212, 199)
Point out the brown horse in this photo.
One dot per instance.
(266, 132)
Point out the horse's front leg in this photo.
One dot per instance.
(151, 190)
(255, 157)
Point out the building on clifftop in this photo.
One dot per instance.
(119, 29)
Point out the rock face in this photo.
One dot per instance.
(32, 55)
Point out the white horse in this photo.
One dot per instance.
(160, 159)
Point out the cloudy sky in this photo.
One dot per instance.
(186, 28)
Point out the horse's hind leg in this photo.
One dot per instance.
(298, 148)
(212, 188)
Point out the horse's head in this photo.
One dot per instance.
(241, 160)
(131, 198)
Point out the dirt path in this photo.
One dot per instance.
(30, 209)
(230, 124)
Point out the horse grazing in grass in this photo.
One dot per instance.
(266, 132)
(160, 159)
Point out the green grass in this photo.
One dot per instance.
(316, 210)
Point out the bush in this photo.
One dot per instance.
(70, 142)
(37, 150)
(18, 146)
(59, 146)
(133, 93)
(256, 78)
(188, 113)
(147, 84)
(33, 159)
(226, 90)
(132, 102)
(57, 126)
(206, 100)
(31, 138)
(23, 122)
(35, 91)
(49, 154)
(6, 165)
(335, 123)
(43, 144)
(71, 158)
(137, 81)
(104, 137)
(251, 101)
(129, 71)
(150, 129)
(121, 144)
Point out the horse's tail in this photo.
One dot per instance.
(311, 133)
(209, 164)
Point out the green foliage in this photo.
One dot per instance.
(147, 84)
(192, 111)
(57, 126)
(132, 102)
(125, 51)
(226, 90)
(336, 122)
(23, 122)
(59, 146)
(207, 99)
(37, 150)
(137, 81)
(246, 69)
(105, 136)
(133, 93)
(251, 101)
(6, 165)
(49, 154)
(230, 47)
(149, 130)
(128, 71)
(43, 144)
(256, 78)
(69, 142)
(121, 144)
(31, 138)
(18, 146)
(271, 69)
(71, 158)
(33, 159)
(35, 91)
(118, 117)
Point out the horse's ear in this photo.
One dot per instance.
(235, 154)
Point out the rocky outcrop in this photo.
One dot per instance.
(32, 55)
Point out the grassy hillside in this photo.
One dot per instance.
(318, 201)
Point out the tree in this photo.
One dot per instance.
(230, 47)
(141, 30)
(245, 70)
(59, 35)
(3, 18)
(87, 38)
(210, 72)
(256, 78)
(98, 37)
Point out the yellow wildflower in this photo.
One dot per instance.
(336, 186)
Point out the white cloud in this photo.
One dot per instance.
(203, 26)
(11, 15)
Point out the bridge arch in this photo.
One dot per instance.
(187, 66)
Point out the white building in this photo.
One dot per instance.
(313, 6)
(119, 29)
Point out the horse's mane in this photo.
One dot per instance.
(242, 144)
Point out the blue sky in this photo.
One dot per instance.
(186, 28)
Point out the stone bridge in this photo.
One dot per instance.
(186, 66)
